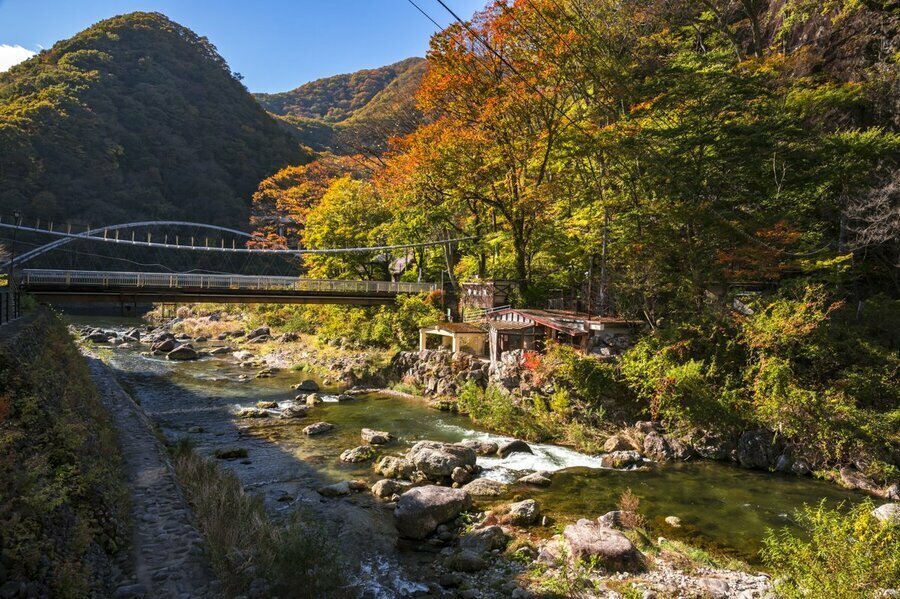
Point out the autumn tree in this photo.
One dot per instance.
(283, 201)
(350, 214)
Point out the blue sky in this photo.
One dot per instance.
(275, 44)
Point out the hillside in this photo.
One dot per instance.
(135, 117)
(354, 112)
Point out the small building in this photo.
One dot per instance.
(514, 328)
(479, 296)
(455, 336)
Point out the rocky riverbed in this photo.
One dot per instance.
(426, 503)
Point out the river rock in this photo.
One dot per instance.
(313, 399)
(536, 479)
(335, 490)
(892, 492)
(889, 512)
(612, 549)
(788, 465)
(388, 487)
(242, 356)
(485, 487)
(673, 521)
(618, 519)
(164, 346)
(617, 443)
(484, 540)
(395, 467)
(293, 412)
(363, 453)
(266, 405)
(344, 397)
(465, 560)
(252, 413)
(853, 479)
(220, 351)
(460, 475)
(183, 352)
(511, 447)
(757, 449)
(258, 332)
(621, 459)
(318, 428)
(307, 385)
(480, 447)
(373, 437)
(420, 510)
(437, 460)
(523, 513)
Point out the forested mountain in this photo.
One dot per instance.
(135, 117)
(355, 112)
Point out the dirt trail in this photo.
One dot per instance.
(168, 554)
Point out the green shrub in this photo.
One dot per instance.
(244, 544)
(63, 498)
(396, 325)
(845, 555)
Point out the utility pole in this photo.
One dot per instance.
(603, 262)
(11, 281)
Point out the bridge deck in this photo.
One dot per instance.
(87, 286)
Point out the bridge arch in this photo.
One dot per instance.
(92, 233)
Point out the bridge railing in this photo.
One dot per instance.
(34, 279)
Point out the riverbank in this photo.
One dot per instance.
(542, 399)
(256, 427)
(64, 504)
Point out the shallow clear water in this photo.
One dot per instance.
(720, 505)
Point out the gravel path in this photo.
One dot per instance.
(168, 555)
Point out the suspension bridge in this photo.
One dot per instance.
(185, 262)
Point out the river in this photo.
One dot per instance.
(720, 506)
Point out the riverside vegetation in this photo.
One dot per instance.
(64, 505)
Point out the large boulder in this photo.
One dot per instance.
(617, 443)
(511, 447)
(363, 453)
(258, 332)
(422, 509)
(164, 346)
(318, 428)
(437, 460)
(480, 447)
(373, 437)
(183, 352)
(621, 459)
(853, 479)
(587, 540)
(395, 467)
(758, 449)
(889, 512)
(97, 337)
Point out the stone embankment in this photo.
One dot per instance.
(440, 375)
(168, 550)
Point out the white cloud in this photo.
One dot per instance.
(10, 55)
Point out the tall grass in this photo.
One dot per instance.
(296, 559)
